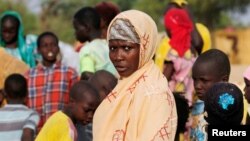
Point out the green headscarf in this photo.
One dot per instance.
(26, 52)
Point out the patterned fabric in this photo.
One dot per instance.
(94, 56)
(26, 45)
(59, 127)
(14, 118)
(141, 107)
(198, 126)
(123, 30)
(49, 88)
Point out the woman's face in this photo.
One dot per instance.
(125, 56)
(9, 31)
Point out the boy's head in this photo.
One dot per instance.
(15, 88)
(104, 82)
(210, 67)
(84, 99)
(246, 76)
(47, 44)
(86, 21)
(224, 104)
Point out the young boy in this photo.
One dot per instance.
(210, 67)
(49, 82)
(84, 100)
(17, 122)
(104, 82)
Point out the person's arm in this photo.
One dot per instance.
(28, 135)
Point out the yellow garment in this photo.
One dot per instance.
(58, 127)
(205, 35)
(141, 107)
(161, 52)
(245, 111)
(180, 2)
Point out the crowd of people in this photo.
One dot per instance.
(122, 83)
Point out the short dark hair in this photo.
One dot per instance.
(218, 58)
(224, 104)
(88, 16)
(15, 86)
(47, 33)
(81, 88)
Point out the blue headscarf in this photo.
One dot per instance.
(26, 51)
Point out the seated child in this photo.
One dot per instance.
(224, 104)
(17, 121)
(84, 100)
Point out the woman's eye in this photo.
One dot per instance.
(111, 48)
(127, 48)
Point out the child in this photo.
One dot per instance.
(49, 82)
(210, 67)
(17, 122)
(223, 104)
(84, 100)
(104, 82)
(246, 76)
(94, 55)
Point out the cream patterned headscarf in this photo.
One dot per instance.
(128, 26)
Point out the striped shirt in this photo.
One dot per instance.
(49, 89)
(14, 118)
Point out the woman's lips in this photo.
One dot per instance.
(120, 69)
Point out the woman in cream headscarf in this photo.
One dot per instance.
(141, 107)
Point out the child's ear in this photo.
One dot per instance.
(225, 78)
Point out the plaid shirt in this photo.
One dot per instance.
(49, 89)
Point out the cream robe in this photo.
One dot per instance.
(141, 107)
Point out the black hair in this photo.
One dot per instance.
(47, 33)
(86, 75)
(219, 60)
(11, 18)
(182, 112)
(81, 88)
(109, 78)
(88, 16)
(15, 86)
(224, 104)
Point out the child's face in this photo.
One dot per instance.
(81, 31)
(9, 31)
(84, 109)
(247, 89)
(204, 77)
(49, 48)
